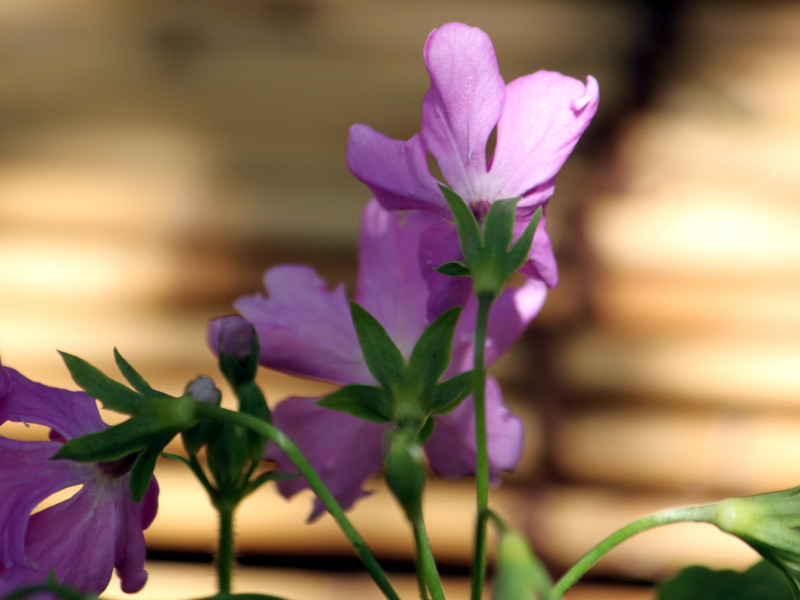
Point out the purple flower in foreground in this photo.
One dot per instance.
(81, 539)
(306, 330)
(538, 120)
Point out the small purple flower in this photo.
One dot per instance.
(307, 330)
(538, 120)
(84, 538)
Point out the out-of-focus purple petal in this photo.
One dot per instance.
(509, 316)
(391, 285)
(462, 106)
(130, 548)
(71, 414)
(451, 448)
(395, 171)
(544, 115)
(344, 450)
(438, 246)
(84, 537)
(303, 328)
(27, 477)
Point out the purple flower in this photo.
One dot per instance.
(538, 120)
(82, 539)
(306, 330)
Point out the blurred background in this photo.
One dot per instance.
(156, 156)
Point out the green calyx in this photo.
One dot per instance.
(408, 393)
(155, 418)
(490, 257)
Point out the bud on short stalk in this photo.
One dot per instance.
(405, 472)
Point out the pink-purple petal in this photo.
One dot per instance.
(28, 477)
(71, 414)
(345, 451)
(451, 448)
(303, 328)
(391, 285)
(395, 171)
(462, 106)
(544, 115)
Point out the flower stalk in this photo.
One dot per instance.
(254, 424)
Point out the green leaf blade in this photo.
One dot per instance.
(111, 393)
(431, 355)
(362, 401)
(383, 358)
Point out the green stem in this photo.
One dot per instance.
(481, 450)
(666, 517)
(226, 549)
(425, 560)
(209, 411)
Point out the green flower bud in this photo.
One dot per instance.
(404, 468)
(770, 524)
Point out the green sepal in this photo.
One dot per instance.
(519, 575)
(449, 394)
(133, 377)
(227, 454)
(431, 354)
(454, 268)
(469, 232)
(113, 443)
(762, 581)
(518, 255)
(362, 401)
(383, 358)
(111, 393)
(142, 471)
(426, 431)
(498, 226)
(252, 402)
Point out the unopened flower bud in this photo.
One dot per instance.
(770, 524)
(234, 334)
(201, 389)
(405, 472)
(236, 342)
(204, 390)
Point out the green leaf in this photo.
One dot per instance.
(431, 354)
(135, 379)
(518, 255)
(498, 226)
(113, 443)
(362, 401)
(111, 393)
(142, 471)
(449, 394)
(455, 268)
(383, 358)
(762, 581)
(469, 232)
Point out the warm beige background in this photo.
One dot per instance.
(156, 157)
